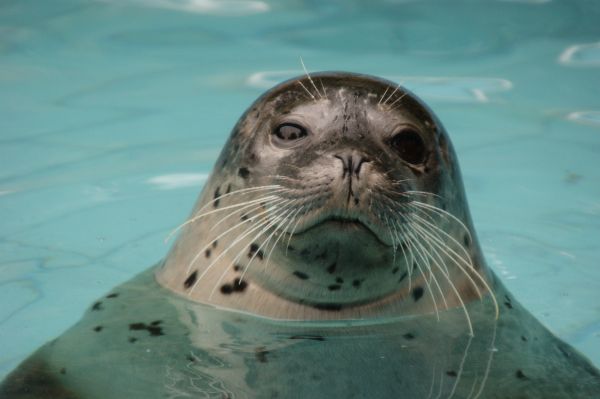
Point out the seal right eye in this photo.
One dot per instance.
(289, 132)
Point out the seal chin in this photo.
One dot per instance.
(346, 225)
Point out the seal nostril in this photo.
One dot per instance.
(351, 164)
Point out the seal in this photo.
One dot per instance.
(330, 254)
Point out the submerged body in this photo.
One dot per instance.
(331, 254)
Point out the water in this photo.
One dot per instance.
(113, 113)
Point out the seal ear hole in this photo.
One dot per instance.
(287, 134)
(410, 146)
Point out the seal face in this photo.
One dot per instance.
(338, 192)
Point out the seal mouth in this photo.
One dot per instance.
(345, 223)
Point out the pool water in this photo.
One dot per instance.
(113, 113)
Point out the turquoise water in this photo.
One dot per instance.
(114, 111)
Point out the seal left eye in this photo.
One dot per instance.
(410, 146)
(289, 132)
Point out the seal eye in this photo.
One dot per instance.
(410, 146)
(289, 132)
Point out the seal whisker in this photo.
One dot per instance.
(233, 243)
(269, 223)
(456, 258)
(242, 209)
(458, 296)
(439, 395)
(309, 78)
(197, 214)
(427, 254)
(247, 190)
(423, 193)
(439, 210)
(432, 383)
(391, 95)
(274, 223)
(248, 220)
(383, 95)
(462, 365)
(394, 242)
(281, 234)
(409, 266)
(398, 99)
(422, 271)
(293, 231)
(488, 366)
(309, 93)
(323, 87)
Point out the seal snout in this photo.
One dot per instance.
(352, 164)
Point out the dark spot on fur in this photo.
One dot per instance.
(239, 285)
(300, 275)
(244, 217)
(356, 283)
(395, 270)
(402, 277)
(137, 326)
(291, 248)
(508, 302)
(563, 350)
(417, 293)
(339, 280)
(226, 289)
(98, 328)
(451, 373)
(132, 339)
(243, 173)
(216, 197)
(228, 189)
(334, 287)
(190, 358)
(331, 268)
(308, 336)
(114, 295)
(97, 306)
(521, 375)
(466, 240)
(254, 250)
(237, 268)
(261, 354)
(409, 336)
(156, 322)
(63, 371)
(214, 243)
(190, 280)
(523, 338)
(207, 253)
(154, 329)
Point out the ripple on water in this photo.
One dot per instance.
(587, 54)
(178, 180)
(590, 118)
(213, 7)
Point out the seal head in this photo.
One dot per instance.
(335, 191)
